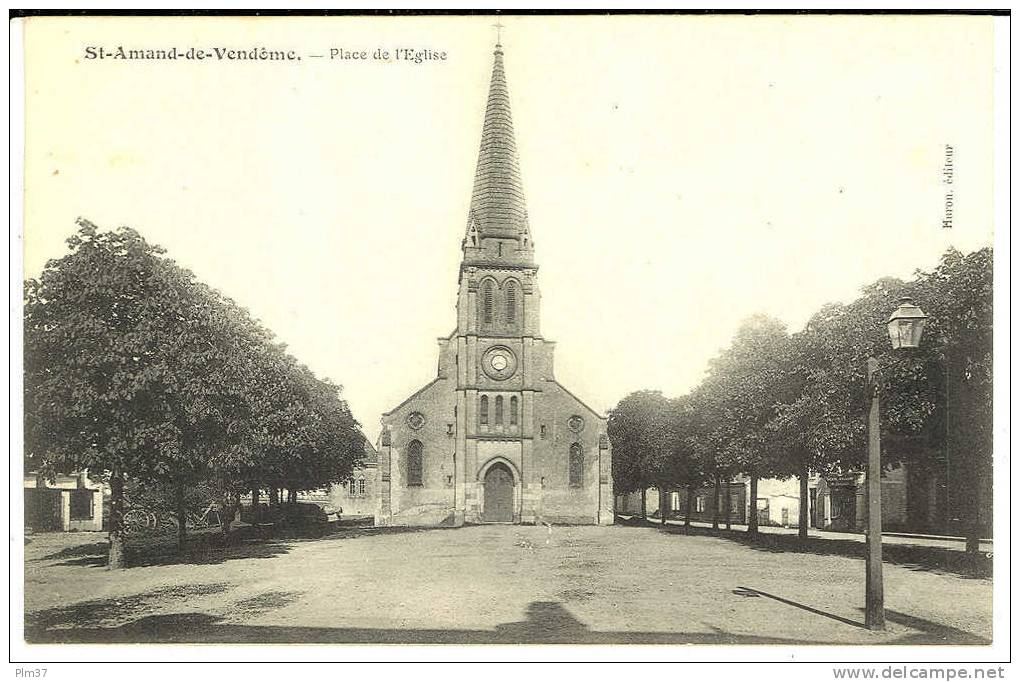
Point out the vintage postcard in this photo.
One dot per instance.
(506, 328)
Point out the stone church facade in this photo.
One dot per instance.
(494, 437)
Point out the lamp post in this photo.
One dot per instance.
(906, 324)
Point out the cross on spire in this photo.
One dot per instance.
(499, 31)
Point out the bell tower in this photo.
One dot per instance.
(498, 290)
(501, 357)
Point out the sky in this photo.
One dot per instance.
(681, 174)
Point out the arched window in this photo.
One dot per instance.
(513, 410)
(415, 455)
(499, 410)
(511, 302)
(487, 302)
(483, 411)
(576, 466)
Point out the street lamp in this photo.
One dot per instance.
(906, 324)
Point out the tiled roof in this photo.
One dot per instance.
(497, 200)
(371, 455)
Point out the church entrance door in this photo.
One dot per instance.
(499, 495)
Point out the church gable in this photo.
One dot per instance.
(574, 400)
(416, 456)
(572, 455)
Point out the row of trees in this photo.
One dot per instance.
(776, 405)
(135, 370)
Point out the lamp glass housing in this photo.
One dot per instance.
(906, 325)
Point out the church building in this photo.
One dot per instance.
(494, 438)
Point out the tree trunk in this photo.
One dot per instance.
(644, 503)
(117, 549)
(802, 522)
(227, 511)
(964, 430)
(728, 504)
(663, 505)
(752, 516)
(274, 496)
(255, 499)
(291, 496)
(715, 505)
(690, 508)
(974, 522)
(182, 519)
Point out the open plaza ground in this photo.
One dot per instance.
(503, 584)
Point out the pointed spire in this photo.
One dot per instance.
(497, 200)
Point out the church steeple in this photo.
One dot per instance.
(518, 447)
(498, 217)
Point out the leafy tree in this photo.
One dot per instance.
(134, 368)
(825, 425)
(306, 437)
(324, 443)
(742, 380)
(789, 430)
(685, 464)
(99, 383)
(267, 418)
(635, 428)
(708, 433)
(950, 419)
(778, 405)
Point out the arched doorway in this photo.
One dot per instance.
(498, 504)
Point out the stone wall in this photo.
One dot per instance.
(458, 450)
(356, 503)
(431, 503)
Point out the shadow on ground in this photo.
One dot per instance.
(546, 622)
(99, 612)
(914, 557)
(927, 631)
(210, 547)
(163, 552)
(87, 550)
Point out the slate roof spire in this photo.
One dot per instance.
(497, 199)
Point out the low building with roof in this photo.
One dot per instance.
(63, 503)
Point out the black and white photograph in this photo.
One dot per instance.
(608, 336)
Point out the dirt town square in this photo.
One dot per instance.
(503, 584)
